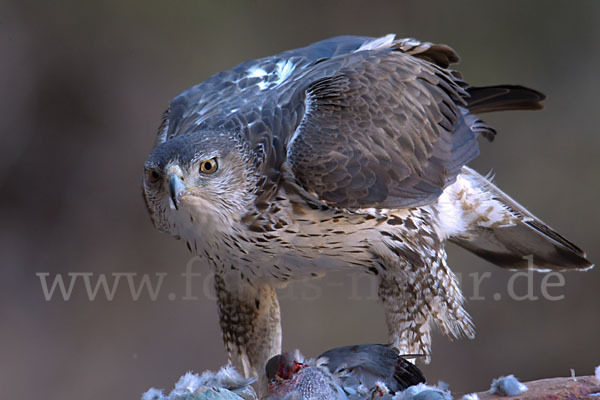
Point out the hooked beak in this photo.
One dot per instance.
(176, 189)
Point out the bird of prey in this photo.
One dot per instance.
(348, 154)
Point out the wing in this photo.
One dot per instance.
(387, 130)
(242, 90)
(372, 363)
(241, 95)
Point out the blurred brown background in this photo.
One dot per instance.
(83, 85)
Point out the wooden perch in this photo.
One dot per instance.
(577, 388)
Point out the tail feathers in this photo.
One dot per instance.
(524, 247)
(525, 243)
(503, 97)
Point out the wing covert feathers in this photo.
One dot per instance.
(391, 125)
(387, 130)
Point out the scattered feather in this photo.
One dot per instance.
(153, 394)
(225, 384)
(470, 396)
(423, 392)
(211, 393)
(507, 386)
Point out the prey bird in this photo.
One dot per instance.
(358, 372)
(348, 154)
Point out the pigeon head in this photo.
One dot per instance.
(282, 367)
(292, 379)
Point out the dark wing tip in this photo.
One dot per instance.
(408, 374)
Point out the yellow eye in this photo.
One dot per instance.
(209, 166)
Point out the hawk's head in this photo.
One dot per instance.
(197, 183)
